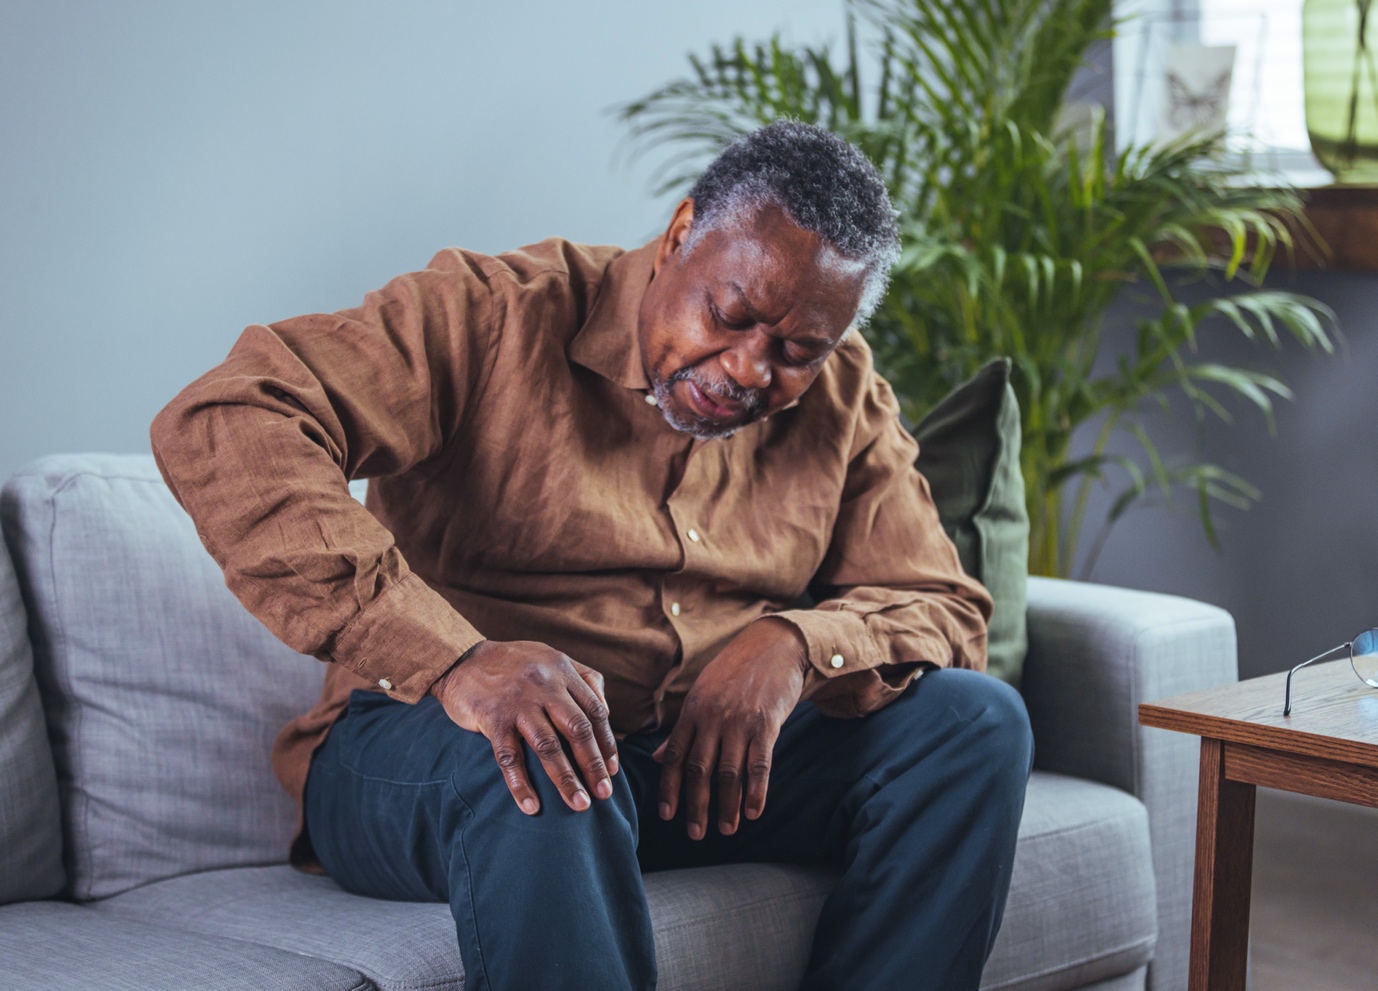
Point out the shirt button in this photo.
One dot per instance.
(836, 661)
(674, 608)
(651, 400)
(385, 684)
(694, 536)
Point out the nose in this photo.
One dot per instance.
(747, 364)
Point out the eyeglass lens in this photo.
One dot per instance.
(1363, 652)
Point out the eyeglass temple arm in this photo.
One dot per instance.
(1287, 701)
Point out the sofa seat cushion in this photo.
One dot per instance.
(1082, 905)
(744, 926)
(56, 946)
(1081, 909)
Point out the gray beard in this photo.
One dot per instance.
(753, 402)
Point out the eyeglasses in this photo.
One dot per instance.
(1363, 657)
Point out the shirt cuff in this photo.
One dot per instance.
(405, 639)
(838, 642)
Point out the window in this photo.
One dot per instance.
(1266, 113)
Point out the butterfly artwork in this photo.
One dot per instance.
(1196, 91)
(1192, 110)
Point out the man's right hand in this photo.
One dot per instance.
(518, 690)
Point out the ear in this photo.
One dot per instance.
(675, 235)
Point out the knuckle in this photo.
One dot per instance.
(598, 712)
(696, 767)
(547, 746)
(759, 766)
(508, 759)
(580, 730)
(729, 775)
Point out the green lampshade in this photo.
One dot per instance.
(1339, 39)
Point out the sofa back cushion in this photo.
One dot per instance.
(30, 830)
(162, 693)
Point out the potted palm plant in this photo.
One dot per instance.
(1020, 233)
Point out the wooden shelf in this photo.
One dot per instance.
(1346, 217)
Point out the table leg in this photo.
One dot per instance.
(1224, 862)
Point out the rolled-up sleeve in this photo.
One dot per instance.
(892, 596)
(260, 451)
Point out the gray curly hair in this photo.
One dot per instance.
(821, 182)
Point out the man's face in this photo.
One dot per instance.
(740, 326)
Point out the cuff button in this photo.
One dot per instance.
(836, 661)
(385, 684)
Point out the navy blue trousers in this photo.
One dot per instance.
(918, 804)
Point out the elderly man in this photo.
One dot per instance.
(564, 636)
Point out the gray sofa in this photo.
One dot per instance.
(142, 835)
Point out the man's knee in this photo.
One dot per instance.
(988, 714)
(482, 787)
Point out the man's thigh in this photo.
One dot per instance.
(380, 798)
(394, 786)
(825, 769)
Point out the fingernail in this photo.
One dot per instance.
(529, 806)
(665, 810)
(612, 764)
(726, 828)
(603, 789)
(581, 799)
(695, 831)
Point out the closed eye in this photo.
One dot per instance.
(719, 316)
(794, 355)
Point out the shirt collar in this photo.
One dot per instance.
(607, 342)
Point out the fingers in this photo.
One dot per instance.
(699, 768)
(574, 725)
(592, 678)
(517, 692)
(508, 752)
(695, 758)
(730, 779)
(540, 735)
(671, 755)
(590, 698)
(757, 774)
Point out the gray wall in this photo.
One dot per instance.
(173, 170)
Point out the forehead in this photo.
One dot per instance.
(778, 268)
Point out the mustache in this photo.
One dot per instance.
(752, 401)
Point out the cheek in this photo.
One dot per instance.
(683, 338)
(788, 384)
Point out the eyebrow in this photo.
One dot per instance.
(754, 314)
(745, 303)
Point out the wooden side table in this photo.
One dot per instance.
(1327, 747)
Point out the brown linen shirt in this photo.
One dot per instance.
(524, 487)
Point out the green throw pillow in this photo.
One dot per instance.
(969, 452)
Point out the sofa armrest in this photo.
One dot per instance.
(1095, 653)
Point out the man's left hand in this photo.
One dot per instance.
(728, 726)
